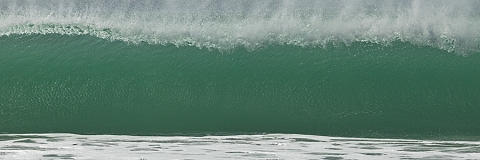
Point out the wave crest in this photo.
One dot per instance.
(224, 25)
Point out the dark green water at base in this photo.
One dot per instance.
(82, 84)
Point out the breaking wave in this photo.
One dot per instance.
(224, 25)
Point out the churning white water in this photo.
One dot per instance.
(269, 146)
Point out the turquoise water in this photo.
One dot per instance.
(394, 69)
(83, 84)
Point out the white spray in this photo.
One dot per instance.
(223, 25)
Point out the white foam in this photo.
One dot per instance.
(446, 24)
(269, 146)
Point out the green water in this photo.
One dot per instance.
(87, 85)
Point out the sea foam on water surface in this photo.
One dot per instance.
(268, 146)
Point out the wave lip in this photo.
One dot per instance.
(224, 25)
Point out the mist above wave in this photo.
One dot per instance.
(224, 25)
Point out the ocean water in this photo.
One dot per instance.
(239, 79)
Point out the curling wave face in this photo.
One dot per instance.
(335, 68)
